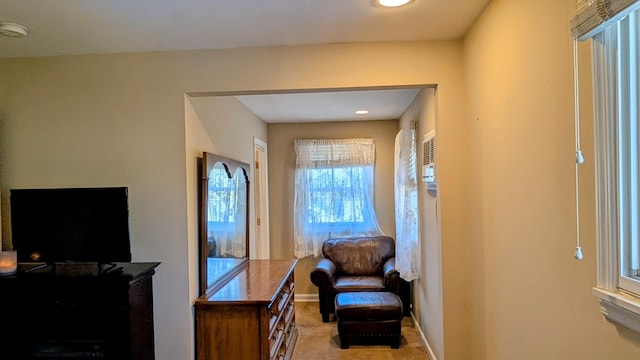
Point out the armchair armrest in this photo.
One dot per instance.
(324, 274)
(391, 276)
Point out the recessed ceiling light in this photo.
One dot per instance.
(11, 29)
(362, 112)
(393, 3)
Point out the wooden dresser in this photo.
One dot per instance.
(251, 317)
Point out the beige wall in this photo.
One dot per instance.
(219, 125)
(120, 120)
(282, 162)
(230, 128)
(100, 121)
(531, 298)
(428, 306)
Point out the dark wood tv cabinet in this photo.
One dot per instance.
(77, 311)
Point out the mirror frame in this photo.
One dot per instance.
(231, 166)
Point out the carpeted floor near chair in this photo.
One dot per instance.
(320, 341)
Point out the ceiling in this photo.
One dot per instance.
(73, 27)
(331, 105)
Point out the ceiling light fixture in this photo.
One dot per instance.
(393, 3)
(362, 112)
(11, 29)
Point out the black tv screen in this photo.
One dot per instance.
(77, 225)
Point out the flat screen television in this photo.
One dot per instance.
(71, 225)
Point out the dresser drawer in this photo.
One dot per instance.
(276, 342)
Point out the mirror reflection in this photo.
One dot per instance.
(224, 219)
(226, 214)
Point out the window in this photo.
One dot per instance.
(625, 34)
(333, 192)
(334, 202)
(616, 64)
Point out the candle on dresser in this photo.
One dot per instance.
(8, 262)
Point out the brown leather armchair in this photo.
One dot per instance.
(355, 264)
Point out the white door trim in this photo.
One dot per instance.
(261, 198)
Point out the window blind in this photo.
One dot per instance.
(593, 16)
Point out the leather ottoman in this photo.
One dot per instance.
(368, 316)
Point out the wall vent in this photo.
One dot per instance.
(429, 159)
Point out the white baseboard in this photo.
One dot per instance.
(306, 297)
(423, 338)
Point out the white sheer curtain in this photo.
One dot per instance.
(333, 192)
(406, 198)
(227, 212)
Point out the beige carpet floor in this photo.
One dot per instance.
(320, 341)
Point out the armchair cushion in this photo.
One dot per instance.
(359, 283)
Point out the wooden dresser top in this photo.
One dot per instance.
(258, 282)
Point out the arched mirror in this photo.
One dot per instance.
(224, 215)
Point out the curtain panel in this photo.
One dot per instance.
(408, 249)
